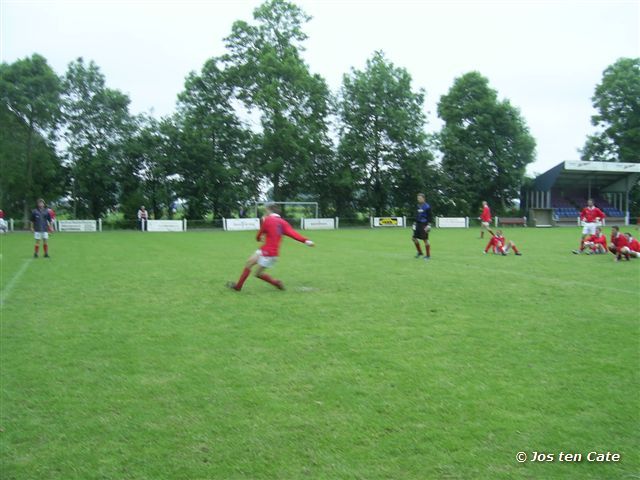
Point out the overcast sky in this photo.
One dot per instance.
(546, 57)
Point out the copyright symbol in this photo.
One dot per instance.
(521, 457)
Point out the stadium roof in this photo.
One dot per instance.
(601, 176)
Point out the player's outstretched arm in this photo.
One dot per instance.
(290, 232)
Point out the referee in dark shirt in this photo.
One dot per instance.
(422, 226)
(40, 221)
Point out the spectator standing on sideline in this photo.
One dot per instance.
(143, 216)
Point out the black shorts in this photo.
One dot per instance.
(420, 231)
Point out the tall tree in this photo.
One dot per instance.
(384, 150)
(97, 125)
(265, 66)
(30, 110)
(144, 170)
(485, 145)
(617, 100)
(215, 167)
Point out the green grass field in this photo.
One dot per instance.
(124, 357)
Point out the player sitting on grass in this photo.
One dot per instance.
(619, 244)
(596, 243)
(273, 227)
(500, 245)
(633, 246)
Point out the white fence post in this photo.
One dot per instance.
(466, 222)
(100, 224)
(337, 222)
(11, 224)
(371, 221)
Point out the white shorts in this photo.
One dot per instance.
(589, 228)
(485, 224)
(265, 261)
(41, 235)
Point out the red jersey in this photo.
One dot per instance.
(634, 245)
(1, 214)
(497, 243)
(591, 214)
(602, 240)
(619, 241)
(486, 214)
(273, 227)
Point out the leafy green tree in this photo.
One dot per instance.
(144, 170)
(617, 100)
(97, 126)
(29, 110)
(214, 161)
(384, 151)
(485, 145)
(269, 75)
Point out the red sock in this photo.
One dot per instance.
(514, 248)
(428, 249)
(46, 248)
(269, 279)
(418, 248)
(37, 248)
(243, 278)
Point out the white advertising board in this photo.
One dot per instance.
(77, 226)
(318, 223)
(234, 224)
(452, 222)
(387, 222)
(165, 226)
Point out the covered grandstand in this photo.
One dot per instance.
(565, 188)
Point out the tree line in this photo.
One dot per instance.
(256, 121)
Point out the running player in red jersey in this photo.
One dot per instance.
(596, 243)
(501, 245)
(485, 219)
(273, 228)
(590, 218)
(619, 244)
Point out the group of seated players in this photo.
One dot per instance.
(620, 244)
(594, 241)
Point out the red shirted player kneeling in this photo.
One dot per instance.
(630, 250)
(501, 245)
(273, 227)
(621, 244)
